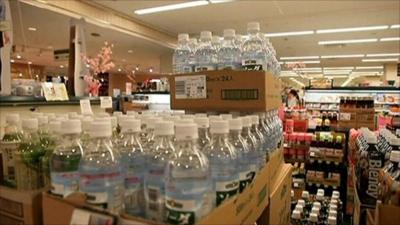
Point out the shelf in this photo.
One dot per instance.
(322, 185)
(355, 89)
(386, 103)
(322, 102)
(318, 109)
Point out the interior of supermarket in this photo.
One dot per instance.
(201, 112)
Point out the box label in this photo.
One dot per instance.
(239, 94)
(105, 102)
(190, 87)
(345, 116)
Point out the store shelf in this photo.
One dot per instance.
(319, 109)
(6, 101)
(386, 103)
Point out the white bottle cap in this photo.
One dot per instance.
(164, 128)
(315, 210)
(183, 37)
(336, 193)
(226, 116)
(299, 207)
(253, 26)
(184, 121)
(117, 113)
(291, 193)
(36, 114)
(331, 220)
(321, 192)
(12, 118)
(229, 33)
(216, 39)
(55, 126)
(317, 205)
(313, 217)
(102, 114)
(86, 123)
(202, 122)
(42, 120)
(320, 197)
(333, 213)
(100, 129)
(214, 117)
(219, 127)
(187, 131)
(235, 124)
(394, 141)
(51, 116)
(31, 124)
(187, 116)
(131, 113)
(395, 156)
(200, 115)
(371, 139)
(246, 121)
(255, 119)
(301, 202)
(207, 35)
(130, 125)
(305, 194)
(71, 127)
(296, 214)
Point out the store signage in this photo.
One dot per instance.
(105, 102)
(61, 55)
(86, 108)
(54, 91)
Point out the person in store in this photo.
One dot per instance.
(293, 99)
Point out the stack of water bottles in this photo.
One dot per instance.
(167, 166)
(235, 52)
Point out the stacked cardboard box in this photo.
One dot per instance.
(357, 117)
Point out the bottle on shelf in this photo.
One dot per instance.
(206, 55)
(229, 55)
(253, 54)
(182, 55)
(204, 136)
(251, 143)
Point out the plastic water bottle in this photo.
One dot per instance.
(253, 54)
(154, 180)
(245, 165)
(188, 183)
(216, 42)
(239, 41)
(206, 55)
(263, 154)
(252, 142)
(223, 161)
(148, 142)
(229, 55)
(269, 54)
(64, 162)
(100, 171)
(193, 45)
(134, 166)
(204, 137)
(182, 54)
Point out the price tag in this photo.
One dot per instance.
(190, 87)
(80, 217)
(86, 108)
(105, 102)
(345, 116)
(296, 185)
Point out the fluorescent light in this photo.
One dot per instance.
(351, 29)
(32, 28)
(280, 63)
(297, 82)
(352, 41)
(390, 39)
(342, 56)
(339, 68)
(299, 57)
(220, 1)
(170, 7)
(333, 77)
(294, 33)
(310, 71)
(337, 72)
(308, 68)
(383, 54)
(346, 82)
(304, 62)
(395, 26)
(368, 67)
(381, 60)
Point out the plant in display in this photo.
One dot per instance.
(99, 64)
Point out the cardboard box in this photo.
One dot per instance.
(20, 207)
(226, 90)
(246, 208)
(278, 210)
(387, 215)
(276, 161)
(370, 217)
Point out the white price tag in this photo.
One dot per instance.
(190, 87)
(105, 102)
(345, 116)
(86, 108)
(80, 217)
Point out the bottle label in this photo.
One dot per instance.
(155, 203)
(64, 183)
(245, 178)
(187, 69)
(225, 190)
(187, 87)
(180, 212)
(254, 64)
(205, 68)
(97, 197)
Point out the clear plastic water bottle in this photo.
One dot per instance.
(245, 167)
(239, 41)
(263, 154)
(193, 45)
(223, 161)
(101, 175)
(229, 55)
(188, 188)
(64, 162)
(252, 142)
(204, 137)
(181, 57)
(269, 54)
(206, 55)
(253, 54)
(216, 42)
(154, 181)
(134, 166)
(148, 142)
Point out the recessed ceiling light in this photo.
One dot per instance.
(352, 29)
(299, 57)
(29, 62)
(170, 7)
(352, 41)
(130, 51)
(390, 39)
(368, 67)
(294, 33)
(342, 56)
(339, 68)
(12, 60)
(395, 26)
(20, 74)
(383, 54)
(19, 56)
(119, 69)
(61, 66)
(32, 28)
(304, 62)
(381, 60)
(151, 70)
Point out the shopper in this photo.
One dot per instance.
(293, 99)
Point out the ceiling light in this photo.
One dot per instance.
(368, 67)
(171, 7)
(341, 56)
(351, 29)
(61, 66)
(352, 41)
(29, 62)
(12, 60)
(339, 68)
(345, 72)
(395, 26)
(20, 74)
(295, 33)
(312, 71)
(137, 68)
(298, 82)
(334, 77)
(381, 60)
(151, 70)
(119, 69)
(383, 54)
(390, 39)
(304, 62)
(308, 68)
(19, 56)
(299, 57)
(32, 29)
(220, 1)
(130, 51)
